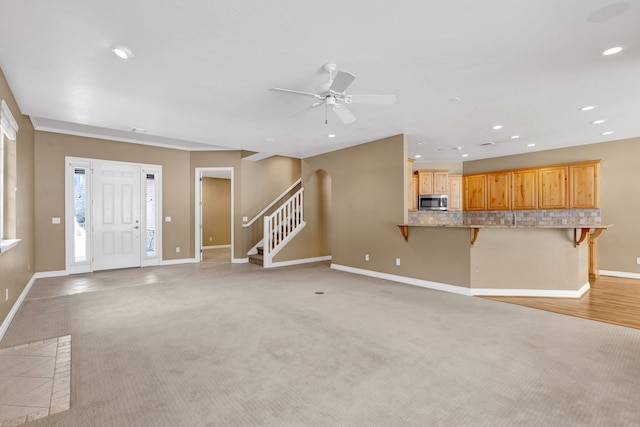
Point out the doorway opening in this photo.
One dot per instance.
(214, 224)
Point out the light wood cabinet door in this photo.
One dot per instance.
(475, 192)
(499, 191)
(455, 192)
(524, 185)
(413, 193)
(553, 187)
(584, 186)
(440, 182)
(425, 182)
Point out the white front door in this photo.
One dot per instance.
(117, 216)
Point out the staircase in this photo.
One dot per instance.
(279, 229)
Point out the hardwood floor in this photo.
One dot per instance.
(610, 299)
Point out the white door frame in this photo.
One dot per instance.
(200, 172)
(87, 163)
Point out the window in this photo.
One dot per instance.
(8, 178)
(151, 220)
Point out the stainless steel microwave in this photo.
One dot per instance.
(433, 202)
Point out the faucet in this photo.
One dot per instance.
(515, 219)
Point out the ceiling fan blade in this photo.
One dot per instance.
(296, 92)
(307, 108)
(343, 114)
(341, 82)
(373, 99)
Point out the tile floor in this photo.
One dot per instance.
(35, 380)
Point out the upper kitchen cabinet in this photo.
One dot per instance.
(433, 182)
(553, 187)
(455, 192)
(475, 192)
(440, 182)
(499, 190)
(584, 179)
(412, 187)
(524, 186)
(425, 182)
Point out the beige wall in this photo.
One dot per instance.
(367, 200)
(18, 264)
(502, 257)
(620, 193)
(216, 212)
(50, 152)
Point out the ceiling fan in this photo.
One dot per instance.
(332, 94)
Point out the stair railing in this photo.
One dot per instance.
(282, 225)
(262, 212)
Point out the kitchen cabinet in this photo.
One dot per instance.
(553, 187)
(584, 185)
(433, 182)
(499, 190)
(475, 192)
(524, 189)
(412, 187)
(455, 192)
(413, 193)
(440, 182)
(425, 182)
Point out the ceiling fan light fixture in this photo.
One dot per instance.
(123, 52)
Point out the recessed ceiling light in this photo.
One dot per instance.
(609, 132)
(419, 143)
(612, 51)
(455, 99)
(417, 156)
(496, 127)
(139, 130)
(331, 135)
(531, 145)
(465, 155)
(515, 136)
(598, 122)
(588, 108)
(123, 52)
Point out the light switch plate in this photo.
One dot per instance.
(55, 220)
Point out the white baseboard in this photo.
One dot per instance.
(531, 292)
(620, 274)
(47, 274)
(14, 310)
(179, 261)
(216, 247)
(461, 290)
(408, 280)
(240, 260)
(300, 261)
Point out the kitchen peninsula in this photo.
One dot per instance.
(529, 232)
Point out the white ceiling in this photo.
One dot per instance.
(202, 70)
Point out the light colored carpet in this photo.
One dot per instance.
(198, 345)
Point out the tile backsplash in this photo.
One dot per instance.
(522, 217)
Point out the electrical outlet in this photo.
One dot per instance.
(211, 239)
(6, 294)
(637, 260)
(178, 249)
(397, 261)
(366, 257)
(28, 267)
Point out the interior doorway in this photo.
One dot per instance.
(214, 213)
